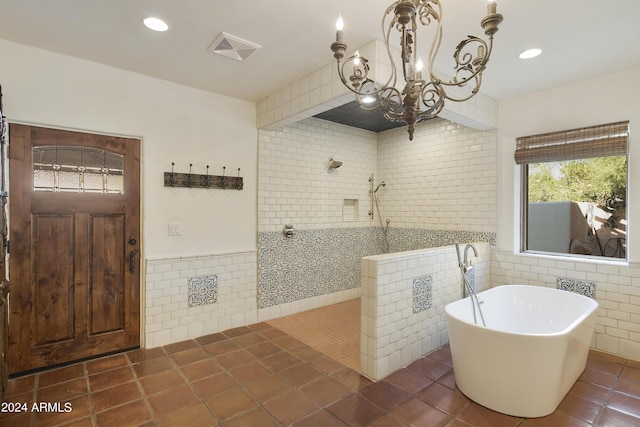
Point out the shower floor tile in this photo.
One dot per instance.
(263, 376)
(333, 330)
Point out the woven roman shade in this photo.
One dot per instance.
(583, 143)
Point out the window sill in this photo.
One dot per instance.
(575, 258)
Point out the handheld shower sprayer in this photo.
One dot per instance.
(382, 184)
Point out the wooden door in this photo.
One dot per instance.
(74, 232)
(4, 232)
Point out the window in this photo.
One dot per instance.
(574, 191)
(59, 168)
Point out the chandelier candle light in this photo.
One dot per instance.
(420, 99)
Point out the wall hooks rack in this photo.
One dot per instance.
(192, 180)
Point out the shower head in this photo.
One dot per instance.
(334, 164)
(382, 184)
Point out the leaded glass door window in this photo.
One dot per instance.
(59, 168)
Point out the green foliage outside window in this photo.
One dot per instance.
(601, 180)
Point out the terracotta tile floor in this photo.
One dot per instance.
(261, 376)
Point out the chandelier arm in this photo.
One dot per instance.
(426, 11)
(474, 66)
(359, 77)
(432, 97)
(392, 101)
(340, 73)
(474, 91)
(391, 113)
(437, 40)
(391, 82)
(393, 116)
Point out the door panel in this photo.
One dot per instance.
(107, 269)
(52, 286)
(75, 295)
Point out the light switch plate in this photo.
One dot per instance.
(175, 229)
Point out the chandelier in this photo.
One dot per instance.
(424, 93)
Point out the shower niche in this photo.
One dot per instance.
(349, 210)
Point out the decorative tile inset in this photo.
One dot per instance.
(203, 290)
(588, 289)
(421, 293)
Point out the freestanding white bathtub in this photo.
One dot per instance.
(532, 351)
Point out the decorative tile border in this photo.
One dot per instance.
(324, 261)
(202, 290)
(588, 289)
(422, 297)
(410, 239)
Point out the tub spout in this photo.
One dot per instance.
(466, 264)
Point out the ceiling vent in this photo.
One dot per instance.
(233, 47)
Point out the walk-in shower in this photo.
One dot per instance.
(374, 202)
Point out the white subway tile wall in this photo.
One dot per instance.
(445, 179)
(168, 317)
(392, 335)
(295, 185)
(617, 291)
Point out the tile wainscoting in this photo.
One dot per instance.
(618, 292)
(324, 261)
(226, 298)
(411, 239)
(313, 269)
(311, 263)
(393, 333)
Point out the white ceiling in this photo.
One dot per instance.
(579, 38)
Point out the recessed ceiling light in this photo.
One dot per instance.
(530, 53)
(155, 24)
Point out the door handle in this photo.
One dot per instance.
(132, 261)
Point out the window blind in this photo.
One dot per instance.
(595, 141)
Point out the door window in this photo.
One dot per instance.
(60, 168)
